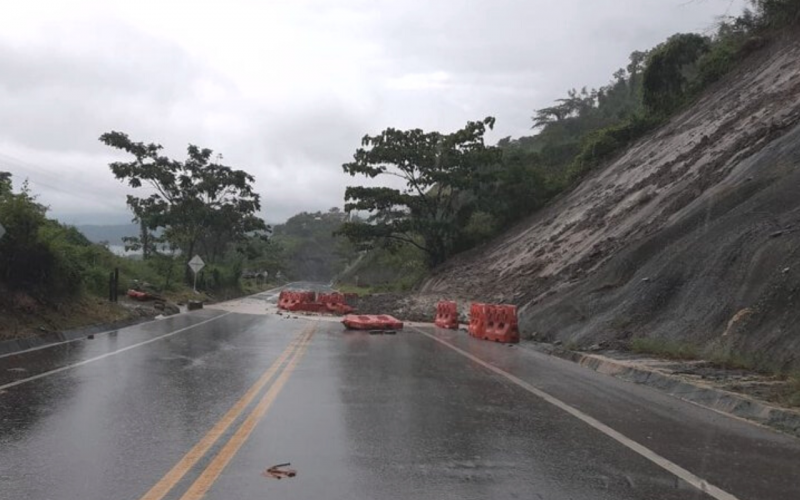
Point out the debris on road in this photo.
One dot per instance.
(279, 471)
(372, 323)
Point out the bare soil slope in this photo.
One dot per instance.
(693, 233)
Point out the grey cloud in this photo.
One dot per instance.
(62, 97)
(360, 66)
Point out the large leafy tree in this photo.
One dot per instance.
(439, 174)
(196, 204)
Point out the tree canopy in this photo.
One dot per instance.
(197, 204)
(437, 172)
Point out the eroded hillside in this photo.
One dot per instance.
(693, 233)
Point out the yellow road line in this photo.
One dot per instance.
(203, 483)
(162, 487)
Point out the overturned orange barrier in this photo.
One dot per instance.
(447, 315)
(371, 322)
(494, 322)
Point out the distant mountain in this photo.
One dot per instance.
(113, 234)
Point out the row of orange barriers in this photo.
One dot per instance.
(494, 322)
(289, 300)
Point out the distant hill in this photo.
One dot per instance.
(113, 234)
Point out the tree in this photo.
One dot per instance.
(439, 172)
(777, 13)
(195, 201)
(666, 78)
(5, 182)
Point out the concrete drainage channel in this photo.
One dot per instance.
(719, 400)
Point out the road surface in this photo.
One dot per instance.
(199, 405)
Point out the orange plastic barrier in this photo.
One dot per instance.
(291, 301)
(477, 320)
(372, 322)
(137, 295)
(311, 302)
(334, 302)
(494, 322)
(447, 315)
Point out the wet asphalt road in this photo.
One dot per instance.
(198, 405)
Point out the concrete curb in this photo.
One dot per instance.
(725, 402)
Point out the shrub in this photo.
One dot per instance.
(603, 144)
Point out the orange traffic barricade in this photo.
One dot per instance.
(477, 320)
(497, 323)
(447, 315)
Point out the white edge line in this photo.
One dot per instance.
(82, 337)
(675, 469)
(106, 355)
(106, 332)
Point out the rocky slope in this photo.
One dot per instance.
(692, 234)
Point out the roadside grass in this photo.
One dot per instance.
(723, 356)
(64, 315)
(793, 390)
(350, 288)
(669, 349)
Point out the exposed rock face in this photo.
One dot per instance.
(689, 227)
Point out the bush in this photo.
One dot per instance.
(603, 144)
(37, 254)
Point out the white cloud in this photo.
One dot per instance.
(286, 90)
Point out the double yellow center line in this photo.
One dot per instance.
(198, 489)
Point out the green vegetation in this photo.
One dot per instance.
(380, 270)
(309, 249)
(722, 355)
(198, 204)
(664, 348)
(437, 171)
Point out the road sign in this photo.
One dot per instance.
(2, 230)
(196, 264)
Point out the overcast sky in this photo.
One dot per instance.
(286, 89)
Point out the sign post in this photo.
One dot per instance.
(196, 264)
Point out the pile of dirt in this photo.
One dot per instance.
(404, 306)
(692, 234)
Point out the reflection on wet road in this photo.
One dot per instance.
(204, 412)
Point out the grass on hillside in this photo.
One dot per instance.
(722, 356)
(668, 349)
(34, 318)
(350, 288)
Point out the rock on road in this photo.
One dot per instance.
(199, 405)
